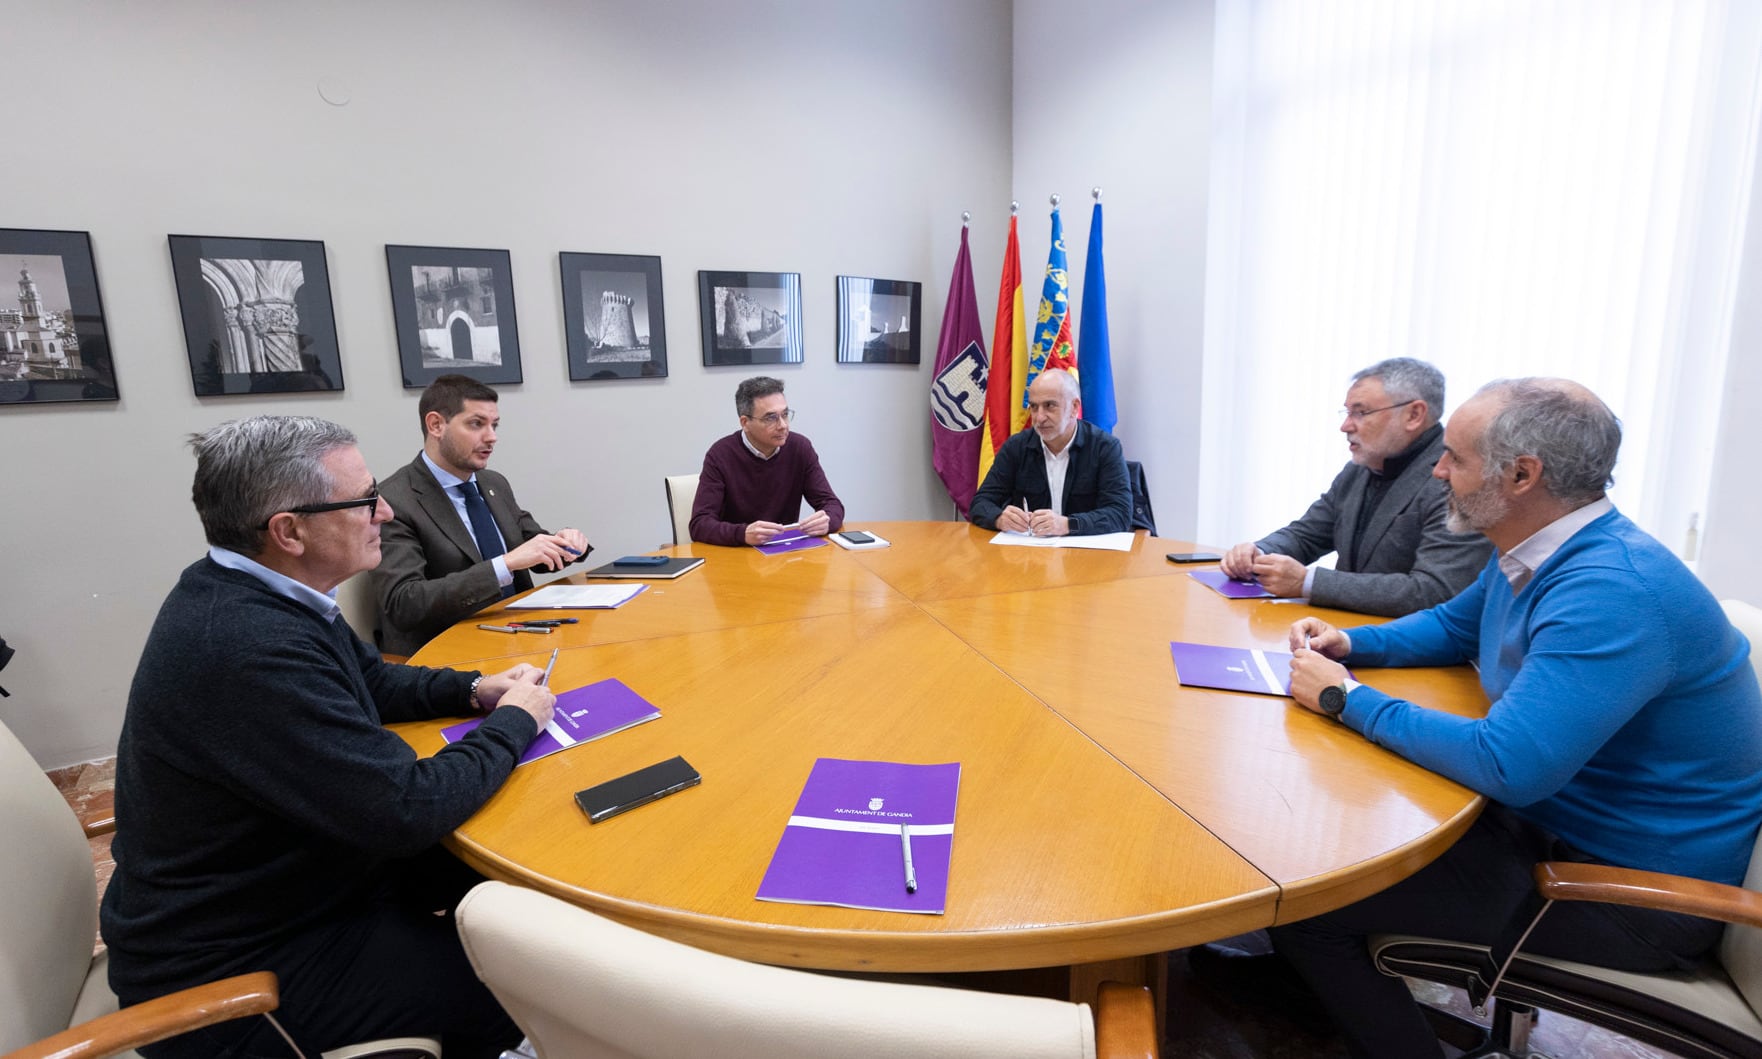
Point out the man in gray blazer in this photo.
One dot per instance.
(459, 540)
(1384, 515)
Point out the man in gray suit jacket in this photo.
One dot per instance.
(1384, 515)
(459, 540)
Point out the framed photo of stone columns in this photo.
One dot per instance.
(454, 311)
(54, 345)
(878, 320)
(257, 314)
(614, 323)
(750, 317)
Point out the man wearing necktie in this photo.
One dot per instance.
(459, 541)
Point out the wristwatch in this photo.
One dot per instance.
(1332, 700)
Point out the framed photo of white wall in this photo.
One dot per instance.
(257, 314)
(878, 320)
(750, 317)
(454, 312)
(54, 345)
(614, 322)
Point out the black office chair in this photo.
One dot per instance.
(1143, 518)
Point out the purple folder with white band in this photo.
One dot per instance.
(1224, 585)
(581, 715)
(842, 845)
(798, 543)
(1232, 668)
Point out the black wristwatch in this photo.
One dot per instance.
(1332, 700)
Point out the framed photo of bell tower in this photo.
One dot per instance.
(614, 323)
(54, 345)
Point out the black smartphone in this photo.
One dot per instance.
(606, 800)
(1195, 557)
(857, 537)
(641, 560)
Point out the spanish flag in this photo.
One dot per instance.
(1006, 388)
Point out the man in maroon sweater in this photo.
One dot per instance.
(755, 479)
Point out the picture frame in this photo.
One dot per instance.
(257, 314)
(614, 318)
(879, 321)
(453, 309)
(750, 317)
(54, 342)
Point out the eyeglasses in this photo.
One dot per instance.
(776, 417)
(1357, 414)
(370, 502)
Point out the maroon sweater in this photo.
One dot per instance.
(737, 487)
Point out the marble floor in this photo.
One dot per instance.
(1204, 1022)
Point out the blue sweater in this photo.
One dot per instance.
(1625, 713)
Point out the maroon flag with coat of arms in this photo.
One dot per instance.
(957, 387)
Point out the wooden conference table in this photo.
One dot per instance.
(1106, 813)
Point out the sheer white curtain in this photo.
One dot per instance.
(1527, 187)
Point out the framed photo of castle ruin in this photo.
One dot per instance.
(750, 317)
(54, 345)
(257, 314)
(614, 323)
(878, 320)
(454, 311)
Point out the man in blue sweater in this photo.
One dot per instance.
(1625, 725)
(266, 820)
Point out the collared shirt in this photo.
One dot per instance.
(1523, 560)
(750, 447)
(321, 603)
(450, 482)
(1056, 466)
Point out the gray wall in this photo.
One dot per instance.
(790, 135)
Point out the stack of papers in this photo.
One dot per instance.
(582, 715)
(578, 597)
(1107, 542)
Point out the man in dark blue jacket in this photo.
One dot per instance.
(1059, 476)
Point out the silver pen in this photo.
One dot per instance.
(905, 846)
(545, 681)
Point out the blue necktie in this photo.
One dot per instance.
(483, 527)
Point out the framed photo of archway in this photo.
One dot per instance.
(54, 345)
(454, 311)
(257, 314)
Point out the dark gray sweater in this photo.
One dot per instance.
(257, 792)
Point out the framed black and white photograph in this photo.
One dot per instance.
(878, 320)
(454, 311)
(613, 318)
(750, 317)
(257, 314)
(54, 345)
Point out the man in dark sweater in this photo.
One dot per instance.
(1058, 476)
(754, 480)
(266, 819)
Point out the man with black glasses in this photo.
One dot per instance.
(754, 480)
(1384, 515)
(266, 819)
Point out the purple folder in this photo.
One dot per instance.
(582, 715)
(842, 844)
(801, 542)
(1232, 668)
(1221, 583)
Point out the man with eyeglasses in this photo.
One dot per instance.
(1384, 515)
(754, 480)
(460, 540)
(266, 818)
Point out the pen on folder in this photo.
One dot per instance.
(545, 681)
(905, 847)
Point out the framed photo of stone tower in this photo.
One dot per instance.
(614, 322)
(454, 311)
(54, 345)
(257, 314)
(750, 317)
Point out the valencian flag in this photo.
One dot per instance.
(957, 387)
(1097, 378)
(1004, 410)
(1052, 328)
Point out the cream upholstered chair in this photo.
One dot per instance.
(583, 987)
(1710, 1011)
(681, 491)
(361, 610)
(55, 997)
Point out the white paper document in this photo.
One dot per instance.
(578, 597)
(1106, 542)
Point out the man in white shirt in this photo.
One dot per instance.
(1059, 476)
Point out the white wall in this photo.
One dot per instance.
(787, 135)
(1117, 94)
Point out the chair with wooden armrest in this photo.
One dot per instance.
(583, 986)
(1711, 1011)
(681, 492)
(55, 998)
